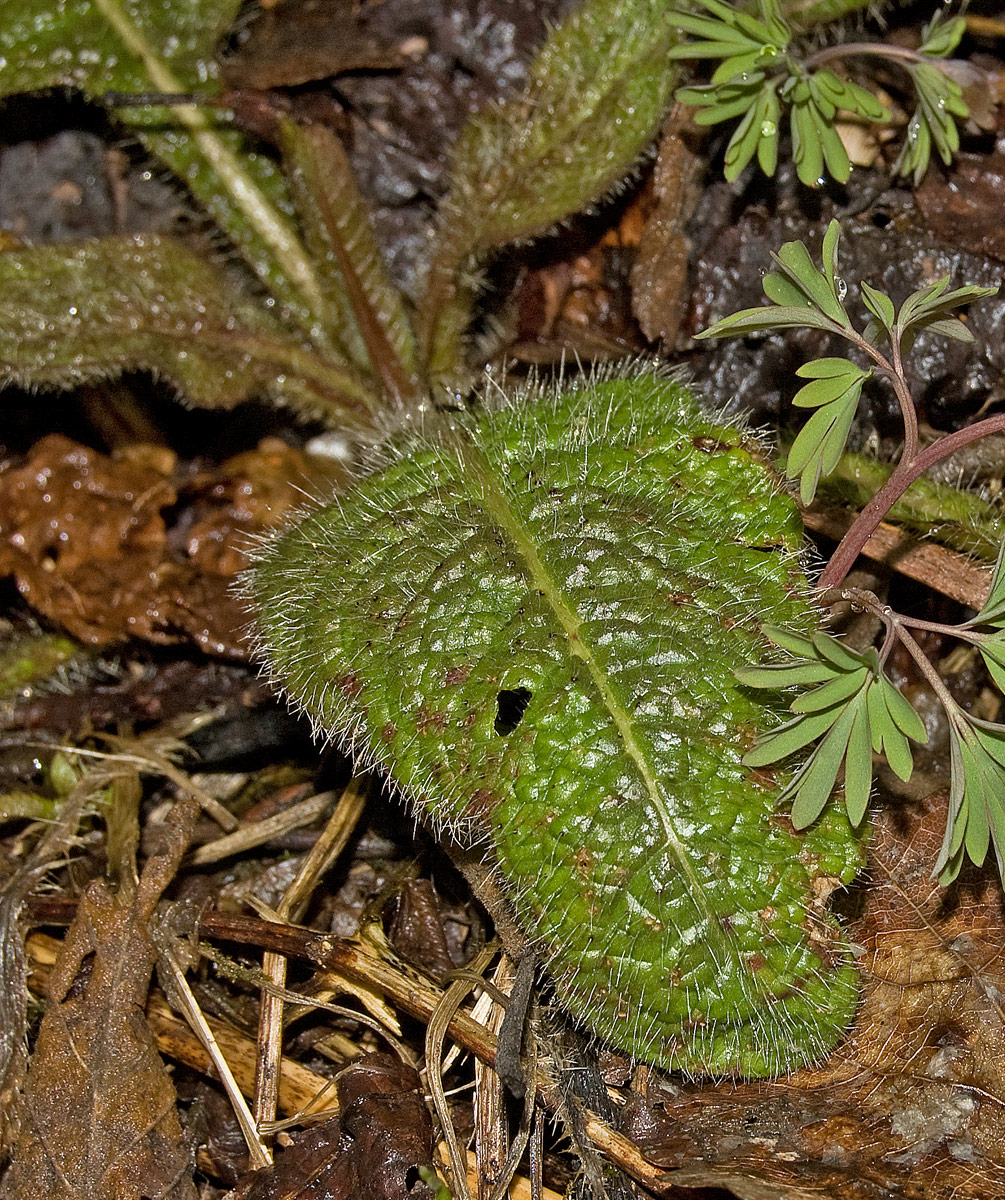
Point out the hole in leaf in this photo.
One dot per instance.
(511, 704)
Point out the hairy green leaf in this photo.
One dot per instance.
(598, 90)
(141, 46)
(100, 307)
(364, 314)
(531, 623)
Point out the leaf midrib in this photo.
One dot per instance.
(266, 220)
(497, 506)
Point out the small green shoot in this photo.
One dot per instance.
(803, 295)
(852, 710)
(760, 76)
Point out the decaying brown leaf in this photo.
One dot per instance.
(659, 276)
(296, 41)
(963, 206)
(90, 540)
(100, 1117)
(372, 1151)
(913, 1103)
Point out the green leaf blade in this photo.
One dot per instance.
(834, 691)
(86, 311)
(486, 533)
(364, 313)
(815, 784)
(102, 45)
(858, 765)
(598, 89)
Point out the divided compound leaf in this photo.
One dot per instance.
(531, 623)
(801, 294)
(853, 711)
(934, 121)
(820, 443)
(978, 817)
(929, 307)
(756, 133)
(814, 783)
(942, 35)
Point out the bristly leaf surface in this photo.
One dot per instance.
(69, 314)
(532, 625)
(598, 90)
(364, 313)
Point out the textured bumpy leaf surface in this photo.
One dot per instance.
(531, 623)
(146, 45)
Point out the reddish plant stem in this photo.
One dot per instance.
(879, 49)
(906, 472)
(908, 413)
(933, 677)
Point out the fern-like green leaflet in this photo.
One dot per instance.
(530, 621)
